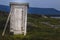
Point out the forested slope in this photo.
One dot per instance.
(38, 28)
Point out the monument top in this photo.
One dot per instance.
(16, 3)
(20, 1)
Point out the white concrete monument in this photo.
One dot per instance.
(18, 18)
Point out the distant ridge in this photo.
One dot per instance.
(44, 11)
(4, 8)
(33, 10)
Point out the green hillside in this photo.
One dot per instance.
(38, 28)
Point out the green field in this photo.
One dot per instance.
(38, 28)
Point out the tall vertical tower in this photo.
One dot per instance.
(18, 19)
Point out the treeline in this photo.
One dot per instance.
(3, 18)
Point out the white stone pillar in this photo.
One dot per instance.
(18, 19)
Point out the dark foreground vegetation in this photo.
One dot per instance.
(38, 28)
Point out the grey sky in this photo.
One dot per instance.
(39, 3)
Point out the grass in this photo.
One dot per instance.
(35, 29)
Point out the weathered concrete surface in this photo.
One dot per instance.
(18, 19)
